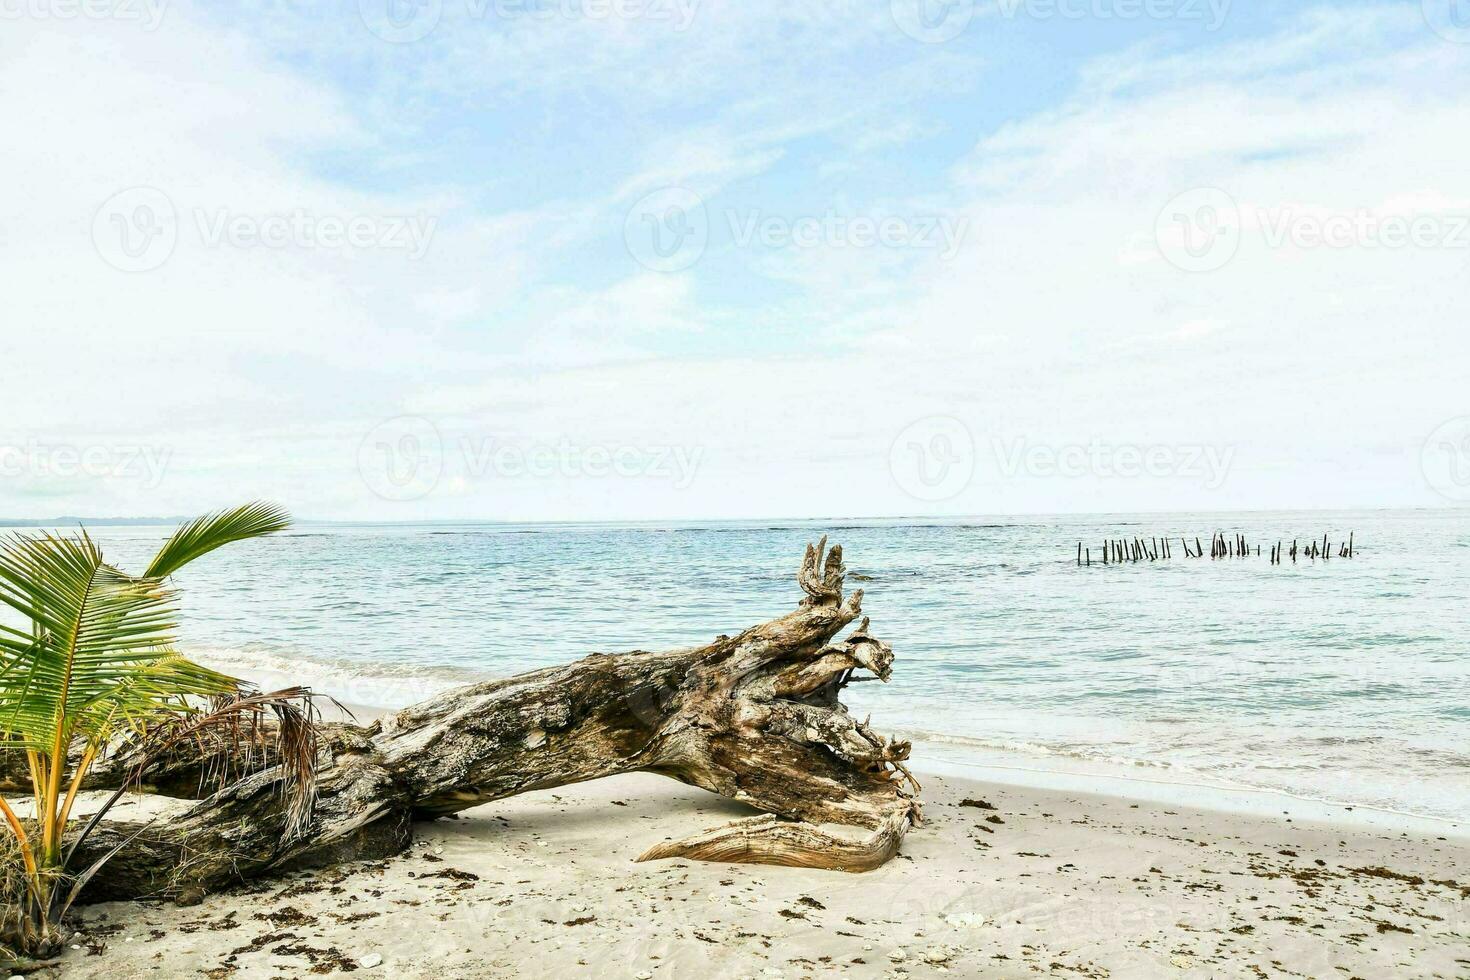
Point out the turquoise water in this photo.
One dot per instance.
(1346, 681)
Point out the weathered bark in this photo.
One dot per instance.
(755, 718)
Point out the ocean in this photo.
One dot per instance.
(1346, 681)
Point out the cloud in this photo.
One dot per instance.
(1324, 359)
(513, 152)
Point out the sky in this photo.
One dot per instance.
(653, 259)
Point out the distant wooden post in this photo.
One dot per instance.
(1137, 548)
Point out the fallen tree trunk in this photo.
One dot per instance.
(754, 717)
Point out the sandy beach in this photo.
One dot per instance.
(1000, 881)
(996, 466)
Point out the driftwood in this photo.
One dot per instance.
(754, 717)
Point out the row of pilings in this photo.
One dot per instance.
(1118, 551)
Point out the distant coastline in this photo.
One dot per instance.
(828, 522)
(69, 520)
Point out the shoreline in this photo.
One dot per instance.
(998, 881)
(1026, 772)
(957, 757)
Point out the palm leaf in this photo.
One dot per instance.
(94, 628)
(98, 661)
(204, 534)
(152, 688)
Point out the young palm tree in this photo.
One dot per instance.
(97, 667)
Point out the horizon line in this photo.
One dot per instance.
(160, 520)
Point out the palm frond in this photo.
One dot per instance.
(281, 726)
(159, 686)
(95, 628)
(204, 534)
(96, 662)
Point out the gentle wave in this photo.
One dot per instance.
(355, 684)
(1346, 680)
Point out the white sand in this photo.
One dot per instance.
(1049, 882)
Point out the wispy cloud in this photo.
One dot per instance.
(883, 231)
